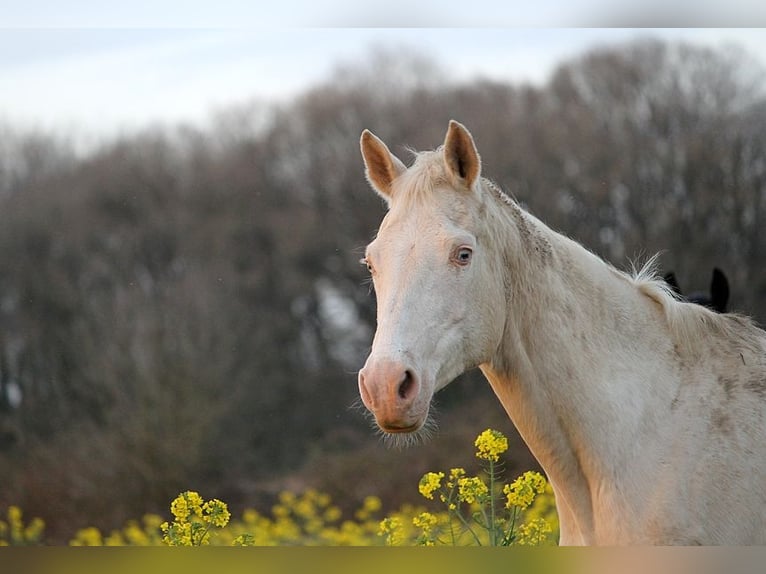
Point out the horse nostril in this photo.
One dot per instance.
(407, 385)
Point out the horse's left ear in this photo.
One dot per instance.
(460, 154)
(719, 291)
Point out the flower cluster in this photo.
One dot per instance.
(430, 483)
(473, 506)
(13, 532)
(491, 444)
(522, 491)
(472, 489)
(392, 528)
(134, 533)
(474, 512)
(533, 532)
(427, 523)
(193, 519)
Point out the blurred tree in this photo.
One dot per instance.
(184, 308)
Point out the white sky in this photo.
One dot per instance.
(96, 80)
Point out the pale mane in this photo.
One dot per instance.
(686, 322)
(689, 322)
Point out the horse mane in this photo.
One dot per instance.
(690, 321)
(687, 322)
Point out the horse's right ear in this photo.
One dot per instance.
(381, 166)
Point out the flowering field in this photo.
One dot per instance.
(457, 510)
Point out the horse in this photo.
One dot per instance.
(645, 412)
(719, 291)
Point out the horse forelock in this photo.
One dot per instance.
(427, 173)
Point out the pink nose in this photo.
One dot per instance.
(389, 389)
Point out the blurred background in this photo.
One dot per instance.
(182, 212)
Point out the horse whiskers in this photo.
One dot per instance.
(399, 441)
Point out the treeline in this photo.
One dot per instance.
(184, 308)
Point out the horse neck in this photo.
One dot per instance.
(579, 341)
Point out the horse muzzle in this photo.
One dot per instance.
(392, 391)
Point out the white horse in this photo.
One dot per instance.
(648, 414)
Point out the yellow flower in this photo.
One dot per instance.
(454, 475)
(491, 445)
(522, 491)
(185, 532)
(372, 504)
(280, 511)
(180, 508)
(426, 522)
(250, 516)
(533, 533)
(14, 515)
(430, 482)
(304, 507)
(116, 539)
(244, 540)
(471, 489)
(34, 530)
(195, 502)
(332, 514)
(392, 529)
(87, 537)
(286, 497)
(323, 499)
(216, 513)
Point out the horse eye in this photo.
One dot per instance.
(463, 256)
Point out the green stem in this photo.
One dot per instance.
(467, 525)
(509, 535)
(492, 523)
(450, 501)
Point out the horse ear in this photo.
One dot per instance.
(670, 279)
(719, 290)
(460, 154)
(381, 166)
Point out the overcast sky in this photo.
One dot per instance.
(105, 72)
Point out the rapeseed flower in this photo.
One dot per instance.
(455, 474)
(216, 513)
(491, 444)
(392, 529)
(13, 532)
(430, 482)
(427, 523)
(332, 514)
(533, 533)
(472, 489)
(473, 513)
(522, 491)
